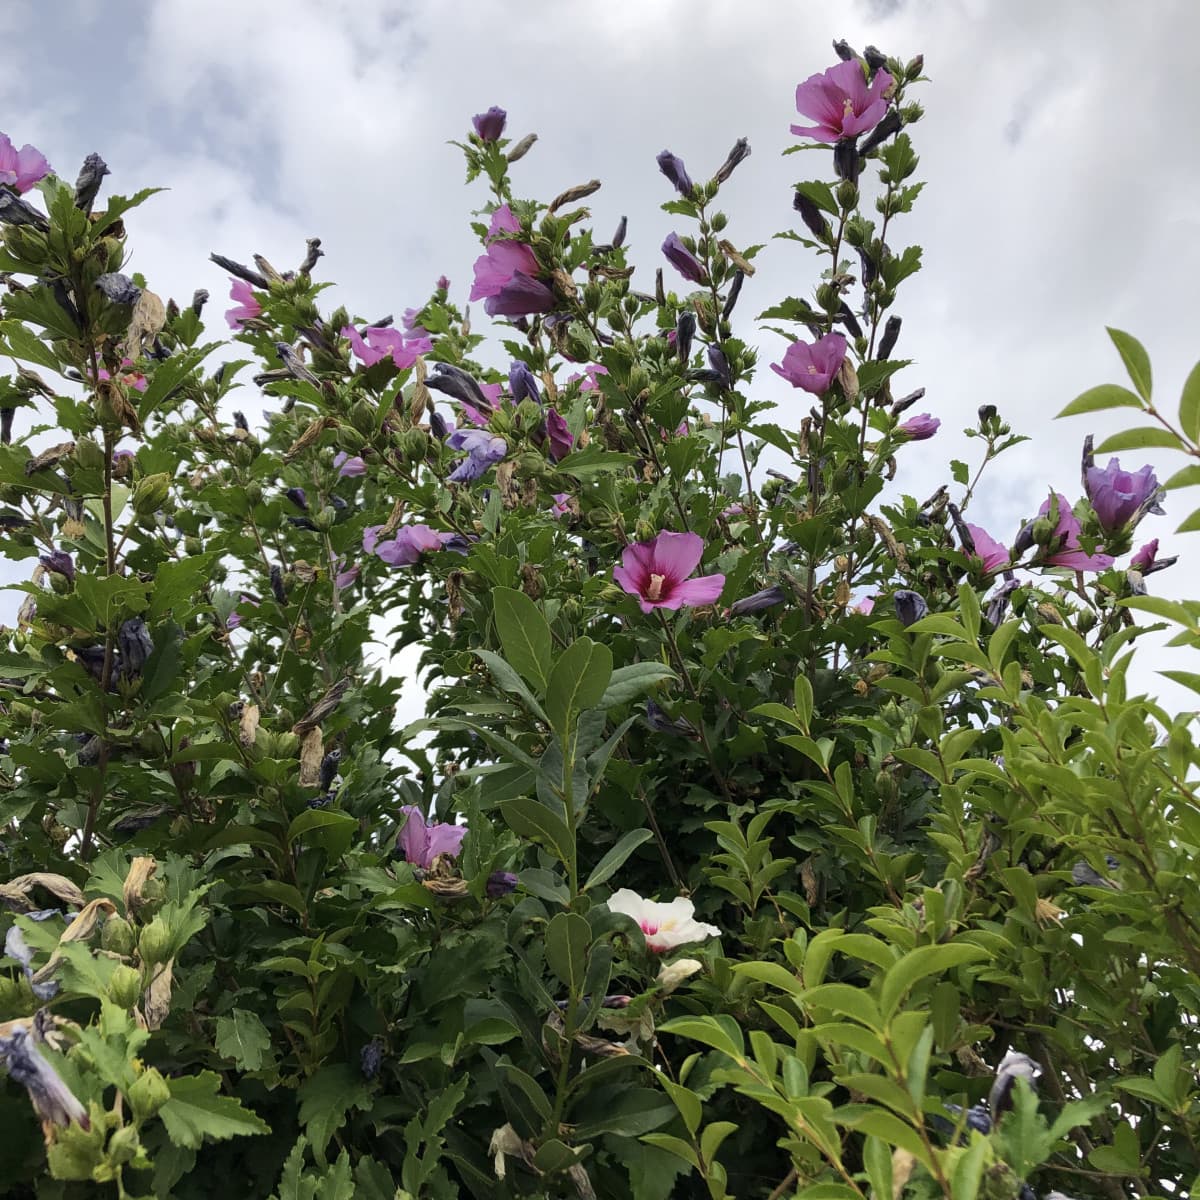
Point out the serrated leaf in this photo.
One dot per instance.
(242, 1037)
(196, 1111)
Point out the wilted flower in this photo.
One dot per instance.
(920, 427)
(562, 504)
(683, 260)
(383, 343)
(490, 125)
(591, 377)
(672, 167)
(421, 842)
(812, 365)
(767, 598)
(52, 1100)
(345, 575)
(1143, 560)
(133, 379)
(483, 451)
(990, 552)
(59, 562)
(719, 364)
(17, 948)
(665, 925)
(840, 102)
(21, 169)
(657, 571)
(247, 307)
(505, 276)
(407, 547)
(1064, 542)
(370, 1058)
(910, 606)
(559, 436)
(347, 467)
(661, 722)
(674, 973)
(135, 645)
(522, 383)
(1013, 1066)
(500, 883)
(1118, 496)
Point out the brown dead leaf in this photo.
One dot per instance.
(16, 891)
(140, 871)
(145, 324)
(79, 930)
(310, 435)
(323, 707)
(49, 458)
(312, 750)
(903, 1162)
(248, 727)
(157, 1002)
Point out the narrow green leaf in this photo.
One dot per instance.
(1098, 399)
(1189, 406)
(1136, 360)
(567, 939)
(918, 964)
(332, 831)
(577, 682)
(1141, 438)
(628, 683)
(1185, 477)
(802, 696)
(524, 634)
(615, 858)
(529, 818)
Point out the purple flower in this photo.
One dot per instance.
(1117, 496)
(920, 428)
(235, 618)
(522, 383)
(841, 103)
(767, 598)
(910, 606)
(1064, 542)
(247, 307)
(1143, 560)
(657, 572)
(683, 260)
(501, 883)
(812, 365)
(421, 842)
(298, 497)
(483, 450)
(52, 1100)
(562, 504)
(490, 125)
(505, 276)
(21, 169)
(349, 468)
(407, 547)
(559, 435)
(672, 167)
(59, 562)
(345, 575)
(382, 343)
(990, 552)
(443, 284)
(590, 377)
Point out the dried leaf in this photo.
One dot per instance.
(17, 890)
(157, 1002)
(735, 257)
(903, 1162)
(140, 871)
(248, 726)
(49, 457)
(393, 522)
(145, 324)
(323, 707)
(310, 435)
(79, 930)
(312, 750)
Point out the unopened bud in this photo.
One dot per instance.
(148, 1094)
(618, 238)
(149, 493)
(811, 215)
(887, 343)
(892, 123)
(522, 148)
(125, 986)
(740, 152)
(844, 50)
(874, 58)
(155, 942)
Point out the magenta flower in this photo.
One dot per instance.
(349, 468)
(683, 260)
(590, 377)
(494, 394)
(920, 428)
(840, 102)
(247, 307)
(1143, 560)
(407, 547)
(490, 125)
(1064, 543)
(812, 365)
(382, 343)
(657, 572)
(865, 606)
(1117, 496)
(562, 504)
(990, 552)
(443, 284)
(421, 841)
(21, 169)
(133, 379)
(505, 276)
(559, 435)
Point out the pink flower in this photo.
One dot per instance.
(21, 169)
(657, 571)
(558, 434)
(812, 365)
(665, 926)
(990, 552)
(865, 606)
(562, 504)
(407, 547)
(133, 379)
(506, 275)
(382, 343)
(421, 842)
(494, 392)
(840, 102)
(1143, 560)
(920, 428)
(247, 307)
(345, 575)
(1065, 541)
(1118, 497)
(349, 468)
(591, 381)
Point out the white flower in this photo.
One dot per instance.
(665, 925)
(674, 973)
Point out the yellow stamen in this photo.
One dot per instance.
(654, 591)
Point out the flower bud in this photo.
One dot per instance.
(123, 1145)
(362, 417)
(672, 167)
(501, 883)
(148, 1094)
(887, 343)
(844, 50)
(987, 414)
(125, 986)
(522, 148)
(117, 936)
(739, 153)
(910, 606)
(618, 238)
(685, 330)
(846, 165)
(892, 123)
(812, 216)
(149, 493)
(154, 944)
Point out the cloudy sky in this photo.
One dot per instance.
(1059, 150)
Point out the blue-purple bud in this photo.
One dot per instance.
(298, 497)
(437, 425)
(618, 238)
(490, 125)
(60, 563)
(522, 383)
(910, 606)
(672, 167)
(767, 598)
(685, 330)
(370, 1058)
(720, 364)
(501, 883)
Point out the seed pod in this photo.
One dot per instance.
(522, 148)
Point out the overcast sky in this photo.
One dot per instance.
(1059, 150)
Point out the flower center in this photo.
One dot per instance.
(654, 591)
(847, 108)
(812, 370)
(649, 927)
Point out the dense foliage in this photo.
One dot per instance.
(928, 923)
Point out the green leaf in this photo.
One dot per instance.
(524, 634)
(821, 194)
(511, 682)
(195, 1111)
(1189, 406)
(1184, 477)
(919, 963)
(578, 682)
(615, 858)
(26, 347)
(721, 1033)
(1136, 360)
(1098, 399)
(1141, 438)
(628, 683)
(568, 937)
(802, 695)
(326, 1098)
(332, 831)
(531, 819)
(242, 1037)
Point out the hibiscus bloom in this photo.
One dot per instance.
(665, 925)
(841, 103)
(422, 841)
(657, 572)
